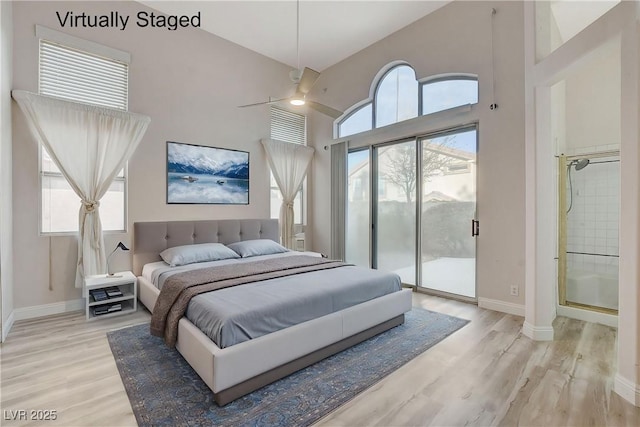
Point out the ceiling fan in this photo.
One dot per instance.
(304, 80)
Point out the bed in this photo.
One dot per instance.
(235, 370)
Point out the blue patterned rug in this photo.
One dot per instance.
(165, 391)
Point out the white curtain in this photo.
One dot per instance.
(89, 145)
(289, 163)
(339, 183)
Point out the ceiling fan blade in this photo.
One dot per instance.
(307, 80)
(271, 101)
(324, 109)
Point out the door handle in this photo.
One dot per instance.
(475, 228)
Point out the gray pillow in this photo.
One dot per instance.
(189, 254)
(249, 248)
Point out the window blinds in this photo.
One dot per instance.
(288, 127)
(83, 77)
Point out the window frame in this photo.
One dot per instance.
(373, 92)
(379, 81)
(303, 188)
(443, 78)
(42, 174)
(351, 112)
(83, 46)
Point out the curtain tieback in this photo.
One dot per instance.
(90, 205)
(289, 205)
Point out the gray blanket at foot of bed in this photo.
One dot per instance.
(234, 315)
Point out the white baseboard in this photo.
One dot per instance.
(49, 309)
(7, 325)
(502, 306)
(628, 390)
(588, 315)
(538, 333)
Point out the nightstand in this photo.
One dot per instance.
(123, 283)
(298, 241)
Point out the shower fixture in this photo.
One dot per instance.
(579, 164)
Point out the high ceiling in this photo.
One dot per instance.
(330, 31)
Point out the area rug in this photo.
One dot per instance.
(165, 391)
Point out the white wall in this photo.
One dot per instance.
(189, 82)
(6, 229)
(594, 125)
(585, 127)
(627, 381)
(455, 38)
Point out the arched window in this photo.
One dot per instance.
(449, 92)
(396, 98)
(358, 121)
(396, 95)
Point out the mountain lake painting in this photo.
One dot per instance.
(207, 175)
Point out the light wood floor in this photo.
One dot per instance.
(487, 373)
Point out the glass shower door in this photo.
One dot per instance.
(588, 231)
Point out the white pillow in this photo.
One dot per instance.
(249, 248)
(189, 254)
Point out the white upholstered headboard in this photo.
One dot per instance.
(151, 238)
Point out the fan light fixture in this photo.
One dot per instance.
(304, 78)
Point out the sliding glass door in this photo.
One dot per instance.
(411, 209)
(448, 247)
(395, 209)
(358, 230)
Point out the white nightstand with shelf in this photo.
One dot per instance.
(298, 241)
(125, 281)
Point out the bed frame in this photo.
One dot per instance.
(240, 369)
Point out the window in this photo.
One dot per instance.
(288, 127)
(69, 72)
(441, 94)
(399, 96)
(60, 204)
(358, 121)
(454, 168)
(83, 77)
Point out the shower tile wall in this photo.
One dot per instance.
(592, 223)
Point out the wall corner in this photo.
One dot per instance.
(628, 390)
(537, 333)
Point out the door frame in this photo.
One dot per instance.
(419, 287)
(373, 200)
(373, 211)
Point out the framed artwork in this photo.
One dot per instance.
(198, 174)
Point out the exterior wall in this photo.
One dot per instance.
(448, 184)
(190, 83)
